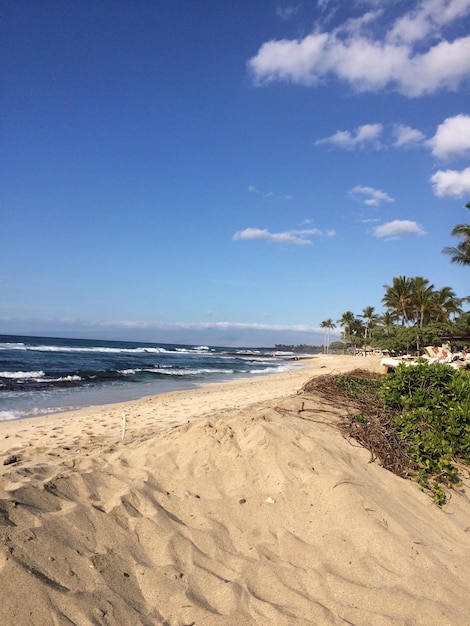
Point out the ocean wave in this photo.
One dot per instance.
(268, 370)
(96, 350)
(167, 371)
(195, 350)
(22, 375)
(74, 378)
(6, 416)
(247, 352)
(39, 376)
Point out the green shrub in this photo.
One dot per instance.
(433, 419)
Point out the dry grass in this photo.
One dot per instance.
(365, 419)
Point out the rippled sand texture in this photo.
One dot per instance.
(226, 505)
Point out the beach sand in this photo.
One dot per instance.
(223, 505)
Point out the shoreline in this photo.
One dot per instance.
(171, 406)
(41, 376)
(64, 398)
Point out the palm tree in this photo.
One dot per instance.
(446, 304)
(423, 299)
(461, 253)
(346, 321)
(388, 320)
(398, 297)
(328, 326)
(370, 318)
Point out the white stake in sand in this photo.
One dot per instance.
(123, 426)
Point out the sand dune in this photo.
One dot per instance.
(223, 506)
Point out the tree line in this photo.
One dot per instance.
(416, 313)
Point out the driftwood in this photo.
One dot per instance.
(365, 419)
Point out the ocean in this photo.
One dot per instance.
(40, 375)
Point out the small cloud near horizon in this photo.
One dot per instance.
(192, 333)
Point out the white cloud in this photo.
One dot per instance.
(140, 324)
(405, 59)
(371, 135)
(398, 228)
(301, 61)
(444, 66)
(370, 196)
(255, 326)
(427, 19)
(367, 134)
(294, 237)
(406, 137)
(222, 333)
(452, 137)
(211, 325)
(409, 28)
(451, 183)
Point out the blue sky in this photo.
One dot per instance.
(229, 173)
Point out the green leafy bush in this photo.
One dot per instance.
(433, 419)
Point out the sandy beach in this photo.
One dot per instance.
(223, 505)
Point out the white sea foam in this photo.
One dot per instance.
(21, 375)
(120, 371)
(63, 379)
(196, 349)
(188, 372)
(96, 350)
(255, 359)
(6, 416)
(151, 350)
(247, 352)
(84, 349)
(274, 370)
